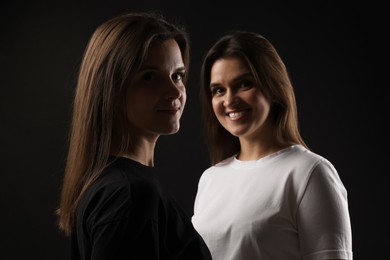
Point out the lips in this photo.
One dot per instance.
(234, 115)
(169, 110)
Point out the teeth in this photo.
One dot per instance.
(235, 114)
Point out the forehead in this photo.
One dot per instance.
(163, 52)
(228, 68)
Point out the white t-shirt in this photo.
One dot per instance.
(285, 206)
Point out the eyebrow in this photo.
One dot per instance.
(151, 67)
(181, 68)
(238, 78)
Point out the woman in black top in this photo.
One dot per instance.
(130, 90)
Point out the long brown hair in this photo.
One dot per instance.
(113, 55)
(271, 76)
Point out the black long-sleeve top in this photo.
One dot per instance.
(126, 215)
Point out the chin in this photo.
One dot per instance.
(170, 131)
(237, 133)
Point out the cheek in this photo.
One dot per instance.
(215, 105)
(218, 108)
(136, 104)
(264, 103)
(263, 106)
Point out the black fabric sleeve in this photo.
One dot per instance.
(126, 239)
(121, 226)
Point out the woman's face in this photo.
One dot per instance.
(157, 95)
(238, 103)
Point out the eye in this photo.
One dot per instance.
(216, 90)
(149, 76)
(246, 84)
(178, 76)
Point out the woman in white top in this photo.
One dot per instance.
(266, 195)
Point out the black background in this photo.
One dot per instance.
(335, 54)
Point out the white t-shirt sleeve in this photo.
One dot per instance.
(322, 217)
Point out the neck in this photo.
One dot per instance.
(259, 145)
(145, 159)
(141, 150)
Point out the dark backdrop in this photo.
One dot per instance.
(335, 54)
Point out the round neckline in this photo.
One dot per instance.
(264, 159)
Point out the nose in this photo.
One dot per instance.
(230, 98)
(174, 91)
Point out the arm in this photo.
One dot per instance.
(125, 238)
(120, 226)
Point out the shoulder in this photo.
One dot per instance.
(126, 178)
(302, 157)
(222, 166)
(314, 168)
(107, 195)
(299, 164)
(111, 181)
(118, 192)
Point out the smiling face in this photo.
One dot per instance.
(157, 95)
(237, 101)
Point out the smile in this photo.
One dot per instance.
(234, 115)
